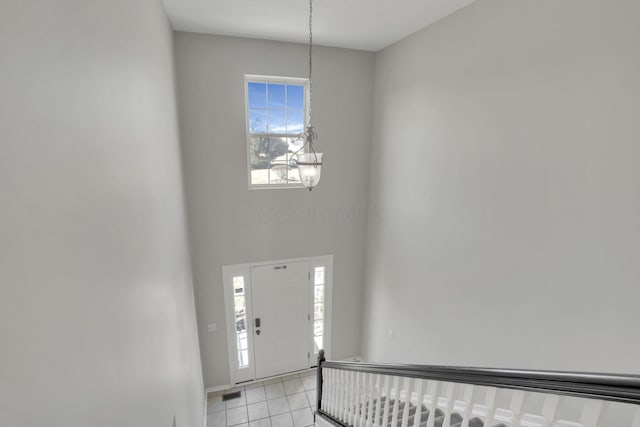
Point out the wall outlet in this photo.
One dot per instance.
(390, 334)
(212, 327)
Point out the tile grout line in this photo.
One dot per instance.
(308, 407)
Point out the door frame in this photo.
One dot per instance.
(238, 375)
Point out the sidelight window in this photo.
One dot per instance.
(318, 308)
(239, 302)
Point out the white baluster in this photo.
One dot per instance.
(366, 396)
(407, 401)
(373, 392)
(449, 389)
(387, 392)
(469, 391)
(339, 394)
(364, 381)
(344, 396)
(435, 394)
(490, 403)
(366, 404)
(379, 384)
(518, 402)
(420, 386)
(335, 402)
(356, 398)
(331, 391)
(324, 397)
(339, 403)
(550, 409)
(592, 412)
(397, 384)
(358, 403)
(350, 397)
(636, 419)
(356, 406)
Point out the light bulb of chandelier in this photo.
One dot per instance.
(310, 168)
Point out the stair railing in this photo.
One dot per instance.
(355, 394)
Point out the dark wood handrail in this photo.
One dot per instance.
(611, 387)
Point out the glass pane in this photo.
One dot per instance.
(318, 327)
(318, 311)
(257, 121)
(279, 174)
(295, 97)
(277, 121)
(276, 96)
(238, 285)
(260, 163)
(319, 276)
(295, 144)
(241, 323)
(241, 341)
(257, 95)
(239, 306)
(319, 294)
(243, 358)
(278, 149)
(295, 121)
(317, 344)
(294, 173)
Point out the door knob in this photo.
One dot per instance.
(257, 331)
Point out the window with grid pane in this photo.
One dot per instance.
(276, 112)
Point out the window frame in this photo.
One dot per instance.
(299, 81)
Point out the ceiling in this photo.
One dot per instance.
(356, 24)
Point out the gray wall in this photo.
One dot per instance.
(230, 224)
(507, 225)
(97, 322)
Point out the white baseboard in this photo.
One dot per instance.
(219, 388)
(321, 422)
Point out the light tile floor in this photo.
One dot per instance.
(287, 401)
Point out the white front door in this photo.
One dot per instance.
(280, 306)
(294, 308)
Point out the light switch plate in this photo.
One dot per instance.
(212, 327)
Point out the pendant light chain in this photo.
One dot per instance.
(309, 161)
(310, 58)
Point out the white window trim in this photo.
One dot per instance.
(271, 79)
(237, 375)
